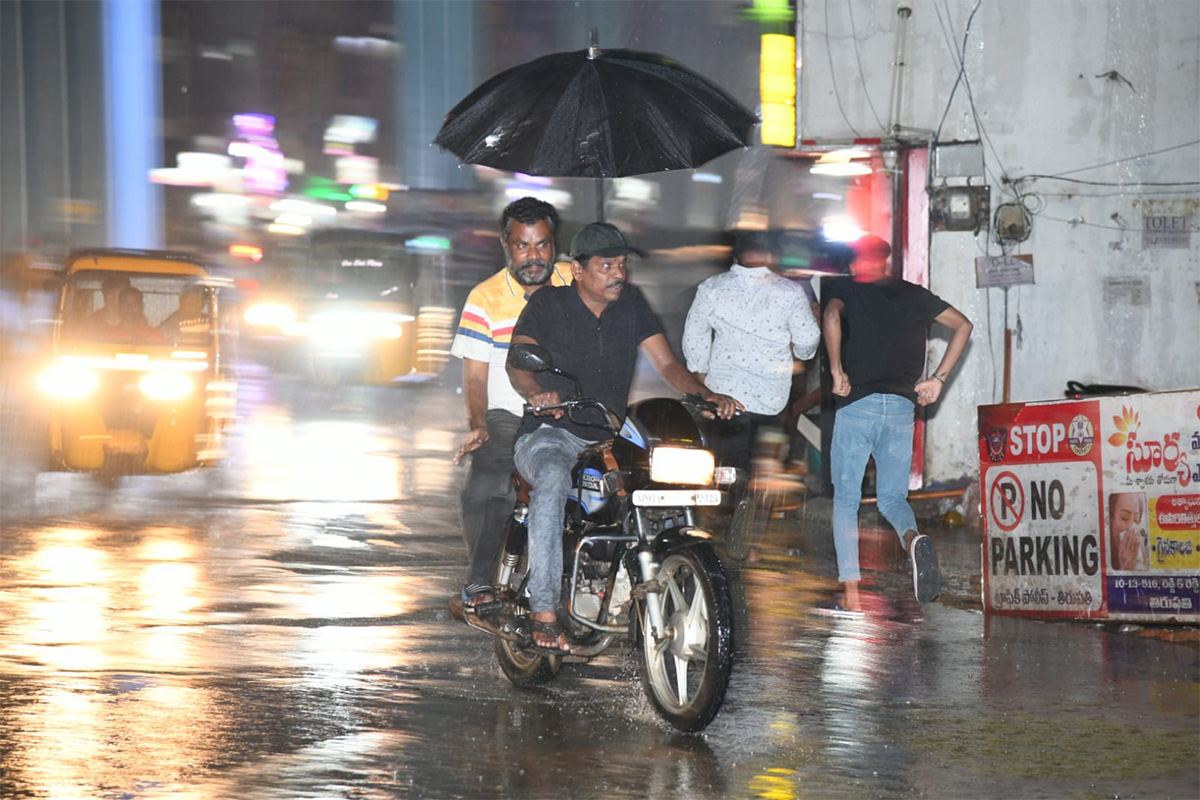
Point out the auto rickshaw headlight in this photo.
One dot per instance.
(68, 382)
(349, 329)
(388, 330)
(165, 385)
(269, 315)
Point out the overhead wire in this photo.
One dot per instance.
(833, 76)
(985, 246)
(1128, 158)
(1107, 183)
(1128, 187)
(975, 115)
(1155, 192)
(861, 73)
(942, 24)
(1003, 183)
(961, 69)
(962, 66)
(1080, 221)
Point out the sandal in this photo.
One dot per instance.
(554, 629)
(480, 598)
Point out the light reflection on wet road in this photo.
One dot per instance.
(280, 629)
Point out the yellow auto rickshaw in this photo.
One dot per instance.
(369, 307)
(136, 384)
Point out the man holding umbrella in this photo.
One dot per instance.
(527, 228)
(593, 329)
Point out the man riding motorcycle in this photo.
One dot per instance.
(593, 329)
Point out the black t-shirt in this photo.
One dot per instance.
(884, 328)
(600, 352)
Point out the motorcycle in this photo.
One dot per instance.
(637, 569)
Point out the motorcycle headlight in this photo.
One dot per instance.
(68, 382)
(165, 385)
(682, 465)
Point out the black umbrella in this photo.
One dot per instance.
(595, 114)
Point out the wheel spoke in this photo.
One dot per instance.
(681, 670)
(695, 633)
(697, 613)
(676, 592)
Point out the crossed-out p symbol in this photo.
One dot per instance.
(1007, 501)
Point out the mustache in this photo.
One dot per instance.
(531, 272)
(616, 285)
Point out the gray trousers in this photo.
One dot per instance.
(487, 497)
(545, 457)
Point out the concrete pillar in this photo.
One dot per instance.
(436, 70)
(133, 106)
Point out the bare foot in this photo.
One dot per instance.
(850, 599)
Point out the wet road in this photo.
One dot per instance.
(279, 628)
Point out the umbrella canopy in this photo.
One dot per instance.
(595, 114)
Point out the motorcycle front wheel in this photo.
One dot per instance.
(525, 668)
(686, 671)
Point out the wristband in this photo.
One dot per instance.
(939, 379)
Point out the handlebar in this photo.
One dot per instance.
(696, 403)
(570, 405)
(531, 409)
(693, 402)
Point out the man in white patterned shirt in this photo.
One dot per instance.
(741, 333)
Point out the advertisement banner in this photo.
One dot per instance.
(1091, 508)
(1151, 477)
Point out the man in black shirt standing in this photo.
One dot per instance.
(875, 328)
(593, 329)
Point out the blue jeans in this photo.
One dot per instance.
(878, 425)
(545, 458)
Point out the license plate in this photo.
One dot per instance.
(676, 497)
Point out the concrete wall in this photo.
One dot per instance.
(1106, 307)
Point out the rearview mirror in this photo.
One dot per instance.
(534, 358)
(530, 357)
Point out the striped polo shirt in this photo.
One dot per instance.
(486, 326)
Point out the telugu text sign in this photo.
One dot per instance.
(1003, 270)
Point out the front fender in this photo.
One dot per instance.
(670, 541)
(682, 537)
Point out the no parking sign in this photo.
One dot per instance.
(1041, 480)
(1092, 508)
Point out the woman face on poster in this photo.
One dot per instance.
(1127, 536)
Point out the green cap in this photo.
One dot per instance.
(601, 239)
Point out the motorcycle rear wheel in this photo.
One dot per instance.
(525, 668)
(686, 674)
